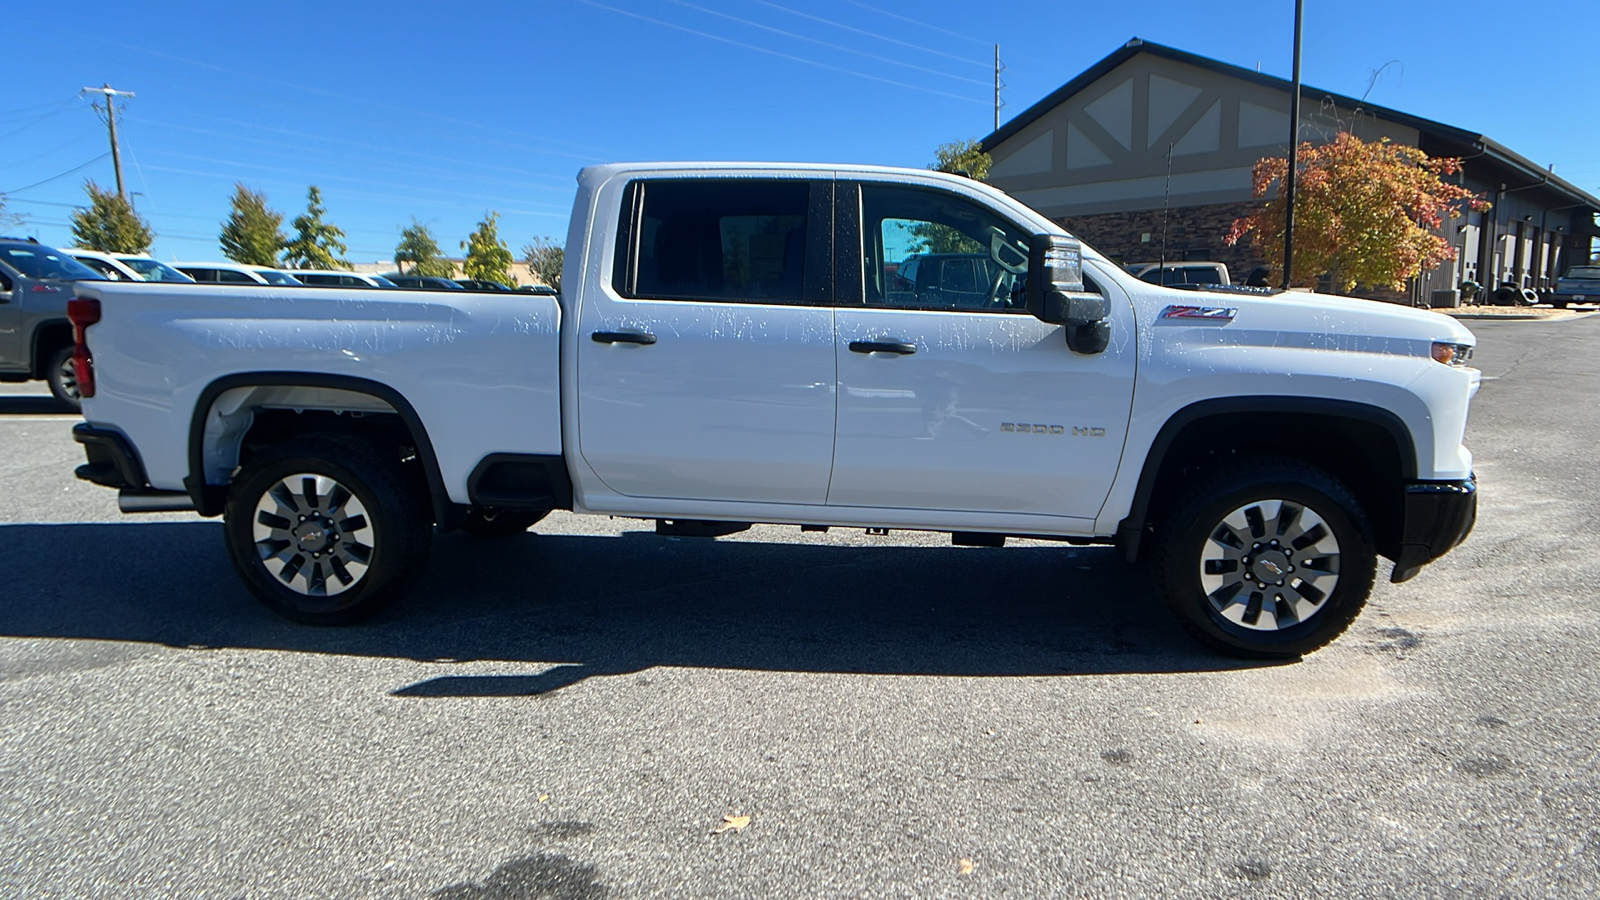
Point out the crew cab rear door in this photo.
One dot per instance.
(956, 399)
(705, 363)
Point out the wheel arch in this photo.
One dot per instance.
(210, 499)
(49, 336)
(1368, 447)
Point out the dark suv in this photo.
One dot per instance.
(35, 336)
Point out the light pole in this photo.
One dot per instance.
(1294, 153)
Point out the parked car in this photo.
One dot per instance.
(326, 278)
(234, 273)
(127, 266)
(544, 289)
(1581, 284)
(1181, 273)
(36, 282)
(478, 284)
(423, 282)
(1261, 451)
(944, 280)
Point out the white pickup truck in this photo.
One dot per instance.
(733, 345)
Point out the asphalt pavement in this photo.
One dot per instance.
(573, 713)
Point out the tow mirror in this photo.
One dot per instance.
(1055, 293)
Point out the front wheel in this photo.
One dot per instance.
(62, 376)
(326, 530)
(1266, 558)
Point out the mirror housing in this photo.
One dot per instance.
(1055, 293)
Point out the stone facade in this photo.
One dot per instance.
(1193, 232)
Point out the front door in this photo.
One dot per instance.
(706, 365)
(951, 396)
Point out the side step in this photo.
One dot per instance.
(698, 528)
(131, 501)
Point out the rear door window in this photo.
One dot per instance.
(732, 240)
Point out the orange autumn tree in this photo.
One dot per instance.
(1365, 213)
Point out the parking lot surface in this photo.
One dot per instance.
(573, 713)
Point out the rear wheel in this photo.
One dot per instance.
(1266, 558)
(326, 530)
(62, 376)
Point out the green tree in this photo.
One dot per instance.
(419, 248)
(963, 158)
(488, 257)
(316, 244)
(252, 234)
(1364, 213)
(957, 158)
(544, 259)
(109, 224)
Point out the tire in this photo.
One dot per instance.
(490, 522)
(1265, 522)
(344, 503)
(62, 377)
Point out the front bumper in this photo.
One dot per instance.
(1438, 517)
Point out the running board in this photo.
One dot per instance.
(154, 501)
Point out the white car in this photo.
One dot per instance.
(127, 266)
(339, 278)
(234, 273)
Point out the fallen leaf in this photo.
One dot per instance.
(543, 797)
(734, 824)
(966, 866)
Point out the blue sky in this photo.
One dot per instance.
(440, 112)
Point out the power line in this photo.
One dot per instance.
(801, 37)
(870, 34)
(771, 52)
(924, 24)
(54, 177)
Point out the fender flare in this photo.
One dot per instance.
(209, 499)
(1131, 529)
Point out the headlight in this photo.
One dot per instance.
(1451, 354)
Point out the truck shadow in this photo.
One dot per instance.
(574, 607)
(28, 405)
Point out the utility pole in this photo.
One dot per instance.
(1294, 153)
(998, 84)
(111, 122)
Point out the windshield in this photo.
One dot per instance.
(150, 270)
(381, 281)
(1587, 273)
(273, 276)
(39, 261)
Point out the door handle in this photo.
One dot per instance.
(898, 347)
(623, 337)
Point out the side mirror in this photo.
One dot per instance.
(5, 288)
(1055, 293)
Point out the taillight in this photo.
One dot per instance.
(83, 312)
